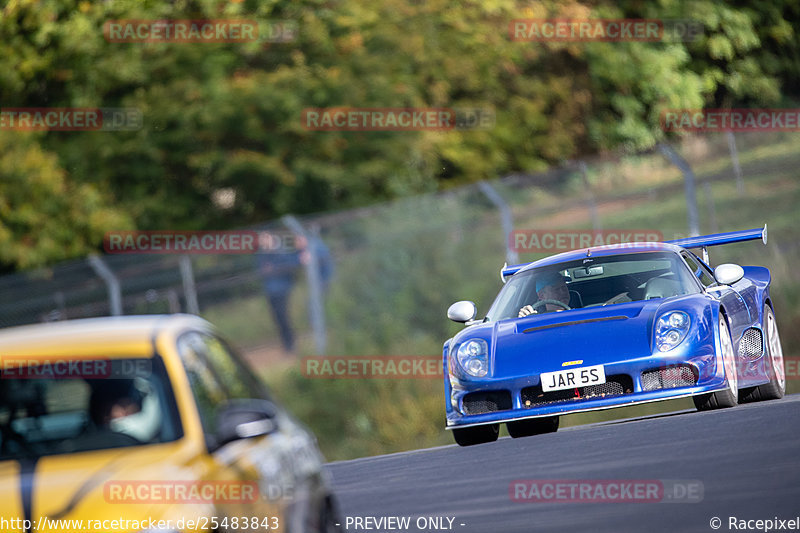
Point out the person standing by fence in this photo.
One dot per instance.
(279, 260)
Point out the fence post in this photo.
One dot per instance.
(173, 301)
(590, 197)
(737, 170)
(712, 212)
(114, 292)
(688, 183)
(316, 296)
(189, 288)
(506, 219)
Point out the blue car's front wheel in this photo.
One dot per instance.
(730, 396)
(776, 388)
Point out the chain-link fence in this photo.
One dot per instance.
(392, 269)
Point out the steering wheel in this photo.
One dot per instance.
(554, 302)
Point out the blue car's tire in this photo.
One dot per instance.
(730, 396)
(534, 426)
(476, 435)
(776, 388)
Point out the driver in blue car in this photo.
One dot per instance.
(549, 286)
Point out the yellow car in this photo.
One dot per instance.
(148, 423)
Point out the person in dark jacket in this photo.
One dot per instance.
(279, 260)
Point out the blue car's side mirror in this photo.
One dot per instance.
(462, 311)
(728, 274)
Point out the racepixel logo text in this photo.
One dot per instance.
(757, 524)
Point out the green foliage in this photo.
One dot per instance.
(227, 115)
(43, 216)
(357, 418)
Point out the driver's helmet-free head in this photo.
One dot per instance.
(128, 406)
(549, 279)
(552, 286)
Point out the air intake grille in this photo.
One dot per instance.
(615, 385)
(610, 388)
(750, 347)
(668, 378)
(476, 403)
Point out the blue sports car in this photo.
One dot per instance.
(612, 326)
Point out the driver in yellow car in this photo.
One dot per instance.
(549, 286)
(126, 406)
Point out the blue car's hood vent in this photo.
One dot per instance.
(594, 335)
(575, 322)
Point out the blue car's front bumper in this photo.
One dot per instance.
(708, 377)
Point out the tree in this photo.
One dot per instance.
(227, 116)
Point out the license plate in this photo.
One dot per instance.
(574, 377)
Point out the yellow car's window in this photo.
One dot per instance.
(234, 378)
(58, 406)
(207, 391)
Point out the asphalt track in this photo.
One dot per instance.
(747, 459)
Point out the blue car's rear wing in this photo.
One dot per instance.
(722, 238)
(508, 271)
(689, 242)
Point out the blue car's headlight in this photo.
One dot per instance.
(473, 356)
(671, 329)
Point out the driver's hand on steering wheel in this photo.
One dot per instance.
(527, 310)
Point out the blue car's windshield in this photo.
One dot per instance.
(592, 282)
